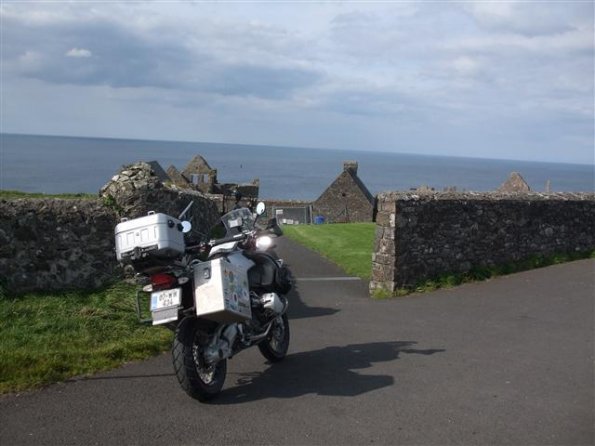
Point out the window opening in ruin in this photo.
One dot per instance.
(197, 178)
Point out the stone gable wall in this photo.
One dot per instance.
(344, 202)
(423, 236)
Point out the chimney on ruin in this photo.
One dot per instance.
(350, 166)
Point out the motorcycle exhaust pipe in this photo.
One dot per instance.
(261, 336)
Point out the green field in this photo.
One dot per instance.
(11, 194)
(50, 337)
(349, 245)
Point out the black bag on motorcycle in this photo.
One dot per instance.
(268, 276)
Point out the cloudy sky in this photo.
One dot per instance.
(488, 79)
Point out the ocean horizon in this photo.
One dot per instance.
(71, 164)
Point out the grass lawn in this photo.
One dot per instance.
(49, 337)
(349, 245)
(10, 194)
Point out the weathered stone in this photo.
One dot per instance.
(383, 259)
(57, 244)
(152, 195)
(515, 184)
(442, 233)
(383, 219)
(177, 178)
(347, 199)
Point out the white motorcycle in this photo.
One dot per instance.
(219, 297)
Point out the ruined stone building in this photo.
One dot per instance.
(346, 200)
(198, 175)
(159, 172)
(515, 184)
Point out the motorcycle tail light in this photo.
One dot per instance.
(162, 281)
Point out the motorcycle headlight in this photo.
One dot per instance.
(264, 242)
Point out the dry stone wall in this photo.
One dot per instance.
(136, 190)
(55, 244)
(423, 236)
(50, 244)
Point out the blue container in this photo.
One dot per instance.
(318, 220)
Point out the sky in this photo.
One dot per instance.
(489, 79)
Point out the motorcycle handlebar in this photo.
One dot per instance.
(272, 229)
(234, 238)
(211, 243)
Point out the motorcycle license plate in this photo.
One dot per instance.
(166, 299)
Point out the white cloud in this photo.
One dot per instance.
(78, 53)
(466, 66)
(528, 18)
(30, 60)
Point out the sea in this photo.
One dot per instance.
(58, 164)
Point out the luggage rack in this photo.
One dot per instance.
(145, 321)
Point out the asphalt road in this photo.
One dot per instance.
(508, 361)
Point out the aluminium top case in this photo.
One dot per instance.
(155, 235)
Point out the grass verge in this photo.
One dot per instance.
(480, 274)
(11, 194)
(349, 245)
(49, 337)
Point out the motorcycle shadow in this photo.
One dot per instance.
(298, 309)
(328, 371)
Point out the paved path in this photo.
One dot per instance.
(509, 361)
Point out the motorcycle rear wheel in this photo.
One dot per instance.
(275, 346)
(199, 380)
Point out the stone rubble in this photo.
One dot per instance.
(54, 244)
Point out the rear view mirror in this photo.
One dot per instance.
(186, 227)
(260, 208)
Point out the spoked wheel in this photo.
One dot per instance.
(198, 379)
(275, 346)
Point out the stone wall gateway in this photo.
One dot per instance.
(423, 236)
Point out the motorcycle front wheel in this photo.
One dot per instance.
(198, 379)
(274, 347)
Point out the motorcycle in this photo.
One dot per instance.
(219, 296)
